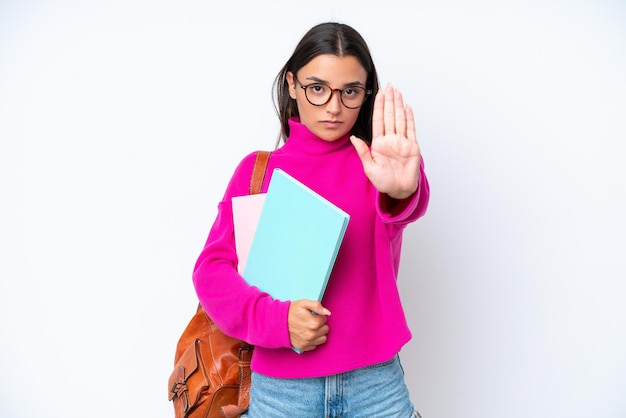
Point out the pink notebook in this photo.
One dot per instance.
(246, 212)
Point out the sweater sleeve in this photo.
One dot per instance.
(399, 213)
(240, 310)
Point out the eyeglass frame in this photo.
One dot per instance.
(332, 91)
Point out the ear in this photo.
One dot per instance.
(292, 84)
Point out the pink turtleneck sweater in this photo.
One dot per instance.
(367, 324)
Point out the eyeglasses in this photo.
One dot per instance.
(318, 94)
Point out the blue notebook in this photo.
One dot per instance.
(296, 241)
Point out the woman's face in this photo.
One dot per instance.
(332, 120)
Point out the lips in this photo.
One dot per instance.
(331, 123)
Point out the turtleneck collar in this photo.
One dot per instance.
(302, 138)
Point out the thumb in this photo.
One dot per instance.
(361, 149)
(315, 307)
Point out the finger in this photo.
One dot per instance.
(308, 348)
(362, 150)
(309, 343)
(377, 117)
(389, 112)
(410, 124)
(320, 340)
(399, 113)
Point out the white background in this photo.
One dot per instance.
(121, 122)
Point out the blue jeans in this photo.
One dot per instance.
(374, 391)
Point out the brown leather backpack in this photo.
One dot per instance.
(211, 376)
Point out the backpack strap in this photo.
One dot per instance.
(258, 172)
(245, 381)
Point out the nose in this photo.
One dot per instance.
(334, 105)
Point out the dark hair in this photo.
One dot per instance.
(337, 39)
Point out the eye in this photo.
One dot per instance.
(317, 88)
(353, 92)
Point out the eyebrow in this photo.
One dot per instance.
(350, 84)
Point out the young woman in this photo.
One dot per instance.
(354, 144)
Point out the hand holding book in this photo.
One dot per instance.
(307, 324)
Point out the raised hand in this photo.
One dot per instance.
(393, 160)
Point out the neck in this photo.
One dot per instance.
(301, 137)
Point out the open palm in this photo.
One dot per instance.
(393, 160)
